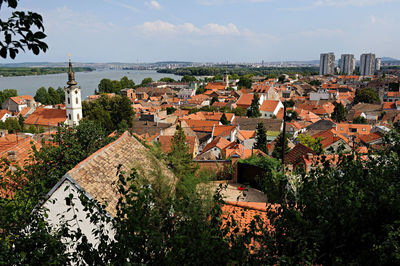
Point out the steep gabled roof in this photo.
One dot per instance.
(47, 117)
(97, 174)
(295, 155)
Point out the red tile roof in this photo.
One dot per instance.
(295, 155)
(245, 100)
(269, 106)
(329, 137)
(202, 126)
(218, 142)
(47, 117)
(215, 86)
(166, 143)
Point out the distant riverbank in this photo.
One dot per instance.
(34, 71)
(88, 81)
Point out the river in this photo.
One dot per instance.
(88, 81)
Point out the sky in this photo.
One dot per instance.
(231, 31)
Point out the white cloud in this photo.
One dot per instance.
(359, 3)
(117, 3)
(160, 27)
(153, 4)
(221, 29)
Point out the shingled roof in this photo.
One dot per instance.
(251, 123)
(97, 173)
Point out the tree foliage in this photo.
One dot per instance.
(12, 124)
(7, 93)
(366, 95)
(280, 140)
(224, 120)
(244, 82)
(261, 138)
(187, 78)
(115, 86)
(109, 112)
(360, 120)
(312, 143)
(339, 113)
(180, 159)
(21, 31)
(50, 96)
(254, 109)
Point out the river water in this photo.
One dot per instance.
(88, 81)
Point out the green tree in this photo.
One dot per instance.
(315, 82)
(105, 86)
(42, 96)
(360, 120)
(240, 111)
(126, 83)
(261, 138)
(54, 96)
(277, 152)
(32, 129)
(146, 81)
(254, 109)
(21, 31)
(187, 78)
(21, 121)
(366, 95)
(109, 112)
(180, 159)
(213, 100)
(224, 120)
(5, 94)
(167, 79)
(12, 125)
(316, 223)
(244, 82)
(291, 115)
(170, 110)
(61, 94)
(339, 113)
(312, 143)
(282, 79)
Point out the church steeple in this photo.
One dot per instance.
(73, 100)
(71, 74)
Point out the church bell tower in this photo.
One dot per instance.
(73, 100)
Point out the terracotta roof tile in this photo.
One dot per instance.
(97, 173)
(295, 155)
(47, 117)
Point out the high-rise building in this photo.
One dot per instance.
(327, 64)
(347, 64)
(378, 64)
(367, 64)
(73, 100)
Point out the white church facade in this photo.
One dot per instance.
(73, 99)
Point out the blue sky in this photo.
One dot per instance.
(214, 30)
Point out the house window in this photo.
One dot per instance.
(77, 116)
(353, 130)
(77, 101)
(69, 116)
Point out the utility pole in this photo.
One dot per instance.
(283, 136)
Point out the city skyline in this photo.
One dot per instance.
(213, 30)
